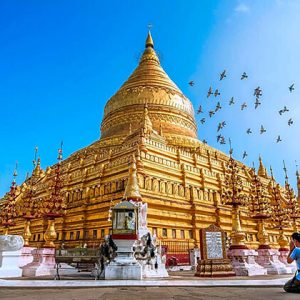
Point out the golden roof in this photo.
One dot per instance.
(168, 109)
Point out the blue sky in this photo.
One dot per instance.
(61, 61)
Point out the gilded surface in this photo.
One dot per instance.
(179, 177)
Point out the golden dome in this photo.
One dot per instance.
(168, 109)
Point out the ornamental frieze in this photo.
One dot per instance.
(151, 95)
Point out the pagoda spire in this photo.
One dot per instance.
(262, 170)
(149, 40)
(149, 54)
(298, 182)
(285, 172)
(132, 190)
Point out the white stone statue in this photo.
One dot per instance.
(11, 242)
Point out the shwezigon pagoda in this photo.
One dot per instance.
(187, 184)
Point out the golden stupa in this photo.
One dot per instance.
(180, 177)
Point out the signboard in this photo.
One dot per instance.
(212, 243)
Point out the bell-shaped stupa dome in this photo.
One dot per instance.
(168, 109)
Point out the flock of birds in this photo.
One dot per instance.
(257, 93)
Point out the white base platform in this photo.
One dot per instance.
(124, 272)
(9, 264)
(269, 259)
(244, 264)
(149, 272)
(42, 265)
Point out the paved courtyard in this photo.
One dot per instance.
(155, 293)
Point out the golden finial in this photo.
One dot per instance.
(15, 174)
(132, 190)
(149, 40)
(60, 151)
(285, 172)
(262, 170)
(35, 156)
(271, 171)
(230, 148)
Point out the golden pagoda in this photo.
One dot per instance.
(180, 178)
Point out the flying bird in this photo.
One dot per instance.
(283, 110)
(217, 93)
(223, 75)
(245, 154)
(291, 88)
(257, 92)
(211, 113)
(210, 92)
(204, 142)
(244, 76)
(243, 106)
(218, 107)
(219, 138)
(223, 141)
(249, 131)
(221, 125)
(262, 129)
(290, 122)
(278, 139)
(200, 111)
(202, 120)
(231, 102)
(191, 83)
(257, 103)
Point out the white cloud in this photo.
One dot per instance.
(242, 8)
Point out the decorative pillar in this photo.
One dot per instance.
(280, 219)
(243, 259)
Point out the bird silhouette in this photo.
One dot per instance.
(191, 83)
(218, 107)
(278, 139)
(217, 93)
(221, 125)
(202, 120)
(204, 142)
(243, 106)
(245, 154)
(257, 92)
(223, 75)
(211, 113)
(291, 87)
(249, 131)
(231, 102)
(262, 129)
(222, 141)
(210, 92)
(290, 122)
(200, 111)
(285, 109)
(244, 76)
(257, 103)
